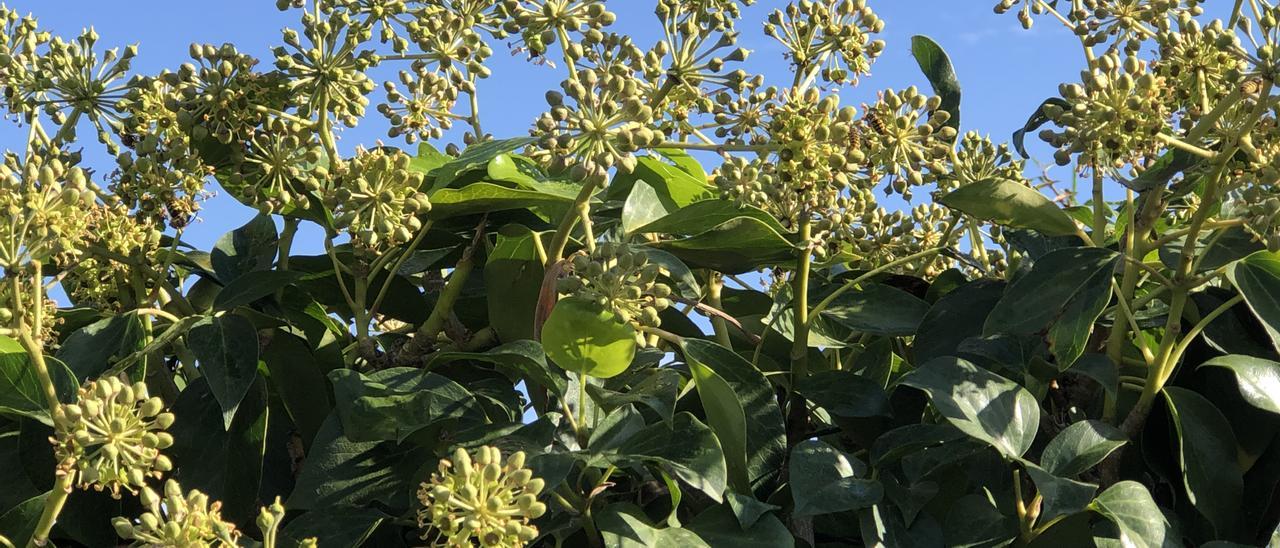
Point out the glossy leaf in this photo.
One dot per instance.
(226, 348)
(1061, 495)
(483, 197)
(980, 403)
(1129, 505)
(936, 66)
(253, 286)
(685, 448)
(878, 309)
(1258, 279)
(90, 350)
(1207, 455)
(823, 481)
(643, 206)
(393, 403)
(474, 157)
(1080, 447)
(1258, 379)
(520, 358)
(845, 394)
(1012, 204)
(245, 249)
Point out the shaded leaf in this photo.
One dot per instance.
(90, 350)
(845, 394)
(718, 526)
(1080, 447)
(1258, 279)
(1013, 204)
(823, 481)
(340, 527)
(341, 472)
(658, 391)
(878, 309)
(226, 348)
(1131, 508)
(1061, 496)
(224, 463)
(253, 286)
(1207, 454)
(521, 358)
(1037, 119)
(685, 448)
(391, 404)
(936, 66)
(21, 392)
(980, 403)
(248, 248)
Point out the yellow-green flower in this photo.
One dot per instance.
(112, 436)
(178, 521)
(482, 501)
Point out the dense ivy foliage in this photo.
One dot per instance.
(676, 313)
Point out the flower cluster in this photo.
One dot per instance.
(830, 36)
(178, 520)
(904, 135)
(540, 23)
(978, 159)
(622, 280)
(425, 109)
(94, 281)
(112, 436)
(1198, 62)
(75, 84)
(607, 122)
(20, 84)
(483, 500)
(44, 208)
(377, 199)
(693, 58)
(17, 314)
(1100, 21)
(281, 167)
(328, 73)
(218, 96)
(1114, 117)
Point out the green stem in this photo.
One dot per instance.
(715, 284)
(426, 335)
(561, 239)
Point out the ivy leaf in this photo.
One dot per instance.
(1258, 379)
(340, 527)
(878, 309)
(513, 279)
(1080, 447)
(297, 375)
(20, 522)
(824, 481)
(1159, 173)
(980, 403)
(252, 286)
(245, 249)
(21, 392)
(1258, 279)
(936, 66)
(1064, 293)
(676, 186)
(393, 403)
(474, 157)
(523, 358)
(90, 350)
(706, 215)
(484, 197)
(658, 391)
(1037, 119)
(1131, 508)
(956, 316)
(685, 448)
(845, 394)
(642, 207)
(740, 245)
(974, 520)
(583, 337)
(1013, 204)
(625, 526)
(731, 389)
(226, 348)
(718, 526)
(1207, 455)
(1061, 496)
(341, 472)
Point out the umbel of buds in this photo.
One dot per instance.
(178, 520)
(44, 208)
(112, 436)
(622, 280)
(377, 198)
(482, 500)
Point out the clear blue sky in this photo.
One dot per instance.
(1005, 71)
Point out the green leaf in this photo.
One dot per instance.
(1037, 119)
(956, 316)
(225, 463)
(393, 403)
(1065, 292)
(824, 481)
(245, 249)
(90, 350)
(1009, 203)
(1207, 454)
(974, 520)
(658, 391)
(878, 309)
(1131, 508)
(685, 448)
(706, 215)
(676, 186)
(298, 378)
(845, 394)
(474, 157)
(513, 281)
(482, 197)
(21, 392)
(582, 337)
(1258, 279)
(339, 527)
(642, 207)
(341, 472)
(731, 389)
(980, 403)
(428, 159)
(253, 286)
(1159, 173)
(627, 527)
(19, 522)
(1258, 379)
(1080, 447)
(718, 526)
(683, 160)
(1062, 496)
(937, 68)
(739, 245)
(226, 348)
(524, 359)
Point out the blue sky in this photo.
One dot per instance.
(1005, 71)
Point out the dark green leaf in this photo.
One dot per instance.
(91, 350)
(1037, 119)
(980, 403)
(1061, 496)
(955, 317)
(344, 527)
(1131, 508)
(1158, 174)
(341, 472)
(1258, 279)
(706, 215)
(845, 394)
(974, 521)
(513, 281)
(739, 245)
(1010, 203)
(685, 448)
(878, 309)
(657, 390)
(245, 249)
(1080, 447)
(226, 348)
(1065, 292)
(750, 394)
(937, 68)
(1258, 379)
(628, 528)
(717, 526)
(225, 464)
(298, 378)
(19, 522)
(21, 392)
(393, 403)
(823, 481)
(522, 358)
(1207, 454)
(253, 286)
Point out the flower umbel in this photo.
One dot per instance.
(482, 500)
(178, 520)
(112, 436)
